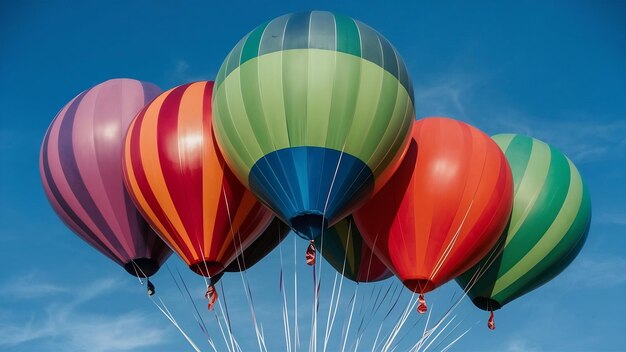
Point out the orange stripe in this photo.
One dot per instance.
(152, 166)
(242, 212)
(135, 189)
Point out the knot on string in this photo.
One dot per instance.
(151, 290)
(211, 295)
(491, 324)
(422, 308)
(310, 253)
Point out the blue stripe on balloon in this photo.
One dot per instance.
(296, 184)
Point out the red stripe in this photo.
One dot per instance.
(173, 167)
(146, 191)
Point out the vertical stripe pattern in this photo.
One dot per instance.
(179, 181)
(81, 171)
(344, 248)
(316, 81)
(445, 207)
(549, 223)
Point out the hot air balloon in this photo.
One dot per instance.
(549, 224)
(273, 235)
(179, 181)
(312, 112)
(343, 247)
(445, 207)
(81, 171)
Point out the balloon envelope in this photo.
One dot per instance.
(81, 171)
(445, 207)
(273, 235)
(313, 112)
(343, 247)
(549, 224)
(180, 183)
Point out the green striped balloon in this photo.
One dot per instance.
(548, 226)
(312, 112)
(344, 248)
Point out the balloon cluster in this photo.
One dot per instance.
(309, 126)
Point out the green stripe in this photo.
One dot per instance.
(532, 180)
(549, 237)
(543, 210)
(345, 38)
(348, 38)
(557, 259)
(277, 101)
(251, 47)
(336, 239)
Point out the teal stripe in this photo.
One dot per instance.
(251, 47)
(518, 154)
(557, 260)
(327, 31)
(348, 38)
(545, 210)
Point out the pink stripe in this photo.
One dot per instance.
(64, 188)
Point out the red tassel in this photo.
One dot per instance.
(211, 295)
(422, 308)
(310, 254)
(491, 323)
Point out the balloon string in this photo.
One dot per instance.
(422, 308)
(491, 323)
(211, 295)
(310, 253)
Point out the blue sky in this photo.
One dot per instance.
(555, 70)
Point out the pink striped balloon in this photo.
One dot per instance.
(81, 170)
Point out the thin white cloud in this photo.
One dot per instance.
(582, 138)
(63, 326)
(594, 271)
(182, 73)
(30, 286)
(75, 331)
(443, 97)
(611, 218)
(519, 345)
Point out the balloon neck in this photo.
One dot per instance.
(422, 308)
(216, 278)
(310, 253)
(206, 268)
(142, 267)
(308, 225)
(491, 324)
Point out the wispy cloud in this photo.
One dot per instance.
(30, 286)
(581, 137)
(63, 326)
(612, 218)
(182, 73)
(594, 271)
(519, 345)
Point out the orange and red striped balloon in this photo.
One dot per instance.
(178, 179)
(444, 208)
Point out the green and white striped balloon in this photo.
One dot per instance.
(548, 226)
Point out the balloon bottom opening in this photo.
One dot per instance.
(308, 225)
(142, 267)
(485, 303)
(206, 269)
(419, 285)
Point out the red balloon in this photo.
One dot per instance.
(444, 208)
(179, 181)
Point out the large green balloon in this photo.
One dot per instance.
(312, 112)
(548, 226)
